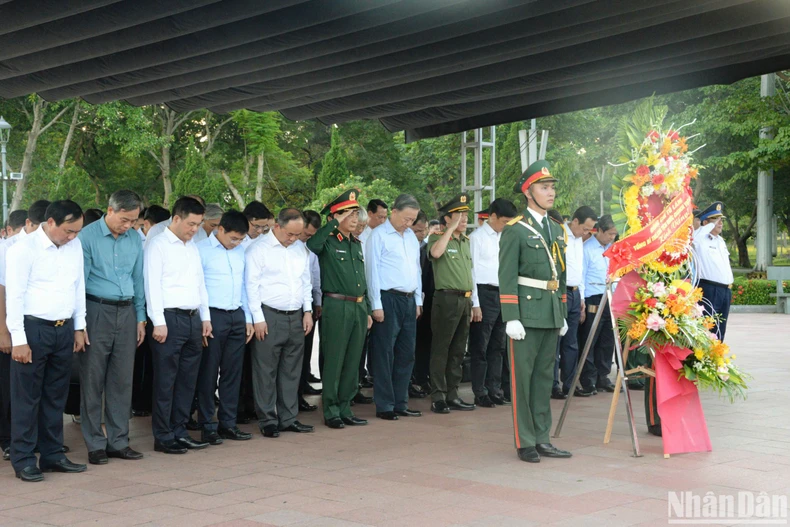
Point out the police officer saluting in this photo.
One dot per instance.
(346, 310)
(532, 295)
(451, 257)
(713, 258)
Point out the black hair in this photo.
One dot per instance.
(17, 219)
(605, 223)
(91, 215)
(185, 206)
(311, 217)
(584, 213)
(421, 216)
(37, 213)
(504, 208)
(288, 215)
(434, 222)
(555, 215)
(234, 221)
(375, 204)
(63, 211)
(156, 214)
(255, 210)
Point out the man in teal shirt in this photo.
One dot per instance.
(115, 320)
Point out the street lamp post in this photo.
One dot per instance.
(5, 132)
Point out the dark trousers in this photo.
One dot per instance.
(106, 370)
(308, 357)
(422, 350)
(568, 345)
(143, 375)
(343, 334)
(223, 357)
(598, 366)
(487, 344)
(246, 408)
(716, 300)
(365, 360)
(450, 326)
(38, 391)
(176, 364)
(277, 366)
(5, 400)
(651, 402)
(393, 343)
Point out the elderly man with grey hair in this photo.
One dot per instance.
(392, 269)
(113, 256)
(211, 218)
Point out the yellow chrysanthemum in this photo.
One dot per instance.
(672, 327)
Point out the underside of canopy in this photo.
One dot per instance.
(429, 67)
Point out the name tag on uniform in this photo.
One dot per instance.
(534, 237)
(339, 251)
(452, 250)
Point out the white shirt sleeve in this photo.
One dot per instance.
(205, 313)
(79, 301)
(152, 274)
(418, 291)
(252, 273)
(307, 285)
(316, 278)
(473, 242)
(18, 265)
(373, 248)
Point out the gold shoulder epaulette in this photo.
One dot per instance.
(515, 220)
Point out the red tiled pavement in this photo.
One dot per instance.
(455, 470)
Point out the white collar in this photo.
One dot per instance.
(538, 216)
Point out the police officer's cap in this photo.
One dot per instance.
(346, 200)
(484, 214)
(536, 172)
(714, 211)
(460, 203)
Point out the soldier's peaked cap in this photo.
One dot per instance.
(460, 203)
(715, 210)
(484, 214)
(346, 200)
(537, 171)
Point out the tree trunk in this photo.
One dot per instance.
(30, 149)
(259, 180)
(233, 190)
(69, 137)
(166, 182)
(743, 253)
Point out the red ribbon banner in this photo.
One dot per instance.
(638, 248)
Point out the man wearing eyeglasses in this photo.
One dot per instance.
(260, 220)
(222, 257)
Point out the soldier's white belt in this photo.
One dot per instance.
(546, 285)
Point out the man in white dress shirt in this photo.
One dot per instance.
(581, 224)
(487, 339)
(160, 227)
(714, 271)
(280, 299)
(177, 304)
(45, 303)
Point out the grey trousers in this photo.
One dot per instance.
(106, 368)
(276, 369)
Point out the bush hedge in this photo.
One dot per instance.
(754, 292)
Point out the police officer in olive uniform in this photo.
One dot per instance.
(345, 317)
(451, 257)
(531, 289)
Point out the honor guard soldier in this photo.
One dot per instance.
(532, 295)
(713, 266)
(451, 257)
(346, 311)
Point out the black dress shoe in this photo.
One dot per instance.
(335, 423)
(584, 392)
(298, 427)
(366, 383)
(507, 398)
(125, 453)
(361, 398)
(171, 447)
(191, 444)
(243, 419)
(440, 407)
(529, 454)
(309, 390)
(608, 387)
(7, 453)
(558, 394)
(140, 413)
(485, 401)
(304, 406)
(30, 474)
(354, 421)
(66, 466)
(312, 378)
(408, 412)
(415, 392)
(193, 425)
(387, 416)
(459, 404)
(98, 457)
(211, 437)
(498, 400)
(270, 431)
(234, 434)
(654, 430)
(549, 450)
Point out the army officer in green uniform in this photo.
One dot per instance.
(345, 318)
(532, 296)
(451, 257)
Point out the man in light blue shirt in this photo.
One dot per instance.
(595, 372)
(222, 257)
(115, 310)
(392, 270)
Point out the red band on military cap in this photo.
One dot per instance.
(343, 204)
(544, 172)
(482, 215)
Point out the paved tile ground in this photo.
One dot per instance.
(459, 469)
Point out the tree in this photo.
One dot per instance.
(334, 170)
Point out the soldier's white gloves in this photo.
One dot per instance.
(564, 328)
(515, 330)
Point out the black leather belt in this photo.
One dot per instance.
(399, 293)
(108, 302)
(715, 284)
(224, 310)
(53, 323)
(280, 311)
(455, 292)
(179, 311)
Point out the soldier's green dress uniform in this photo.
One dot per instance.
(344, 319)
(541, 308)
(451, 310)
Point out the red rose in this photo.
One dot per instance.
(653, 136)
(651, 302)
(682, 292)
(642, 170)
(672, 297)
(658, 179)
(674, 136)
